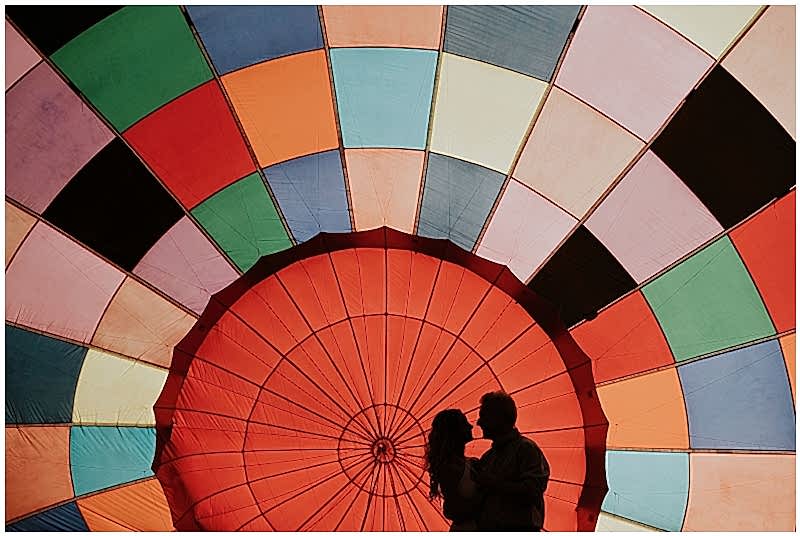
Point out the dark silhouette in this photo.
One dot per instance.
(513, 473)
(451, 472)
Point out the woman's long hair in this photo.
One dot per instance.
(446, 443)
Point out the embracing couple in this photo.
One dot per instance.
(504, 490)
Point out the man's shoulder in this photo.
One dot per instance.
(527, 445)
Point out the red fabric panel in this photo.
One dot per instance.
(291, 484)
(624, 339)
(370, 333)
(560, 501)
(362, 278)
(230, 508)
(269, 310)
(548, 406)
(193, 145)
(215, 390)
(294, 388)
(401, 337)
(456, 296)
(260, 436)
(530, 359)
(234, 345)
(767, 245)
(485, 317)
(323, 363)
(564, 450)
(311, 284)
(259, 524)
(340, 342)
(293, 514)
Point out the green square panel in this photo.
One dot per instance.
(134, 61)
(708, 303)
(242, 219)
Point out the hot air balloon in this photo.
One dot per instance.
(252, 250)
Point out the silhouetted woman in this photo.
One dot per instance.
(451, 472)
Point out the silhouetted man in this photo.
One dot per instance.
(513, 472)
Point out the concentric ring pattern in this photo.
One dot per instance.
(633, 165)
(307, 388)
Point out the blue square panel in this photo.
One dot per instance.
(740, 400)
(526, 39)
(311, 193)
(238, 36)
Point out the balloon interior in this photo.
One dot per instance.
(251, 251)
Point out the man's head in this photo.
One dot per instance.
(498, 414)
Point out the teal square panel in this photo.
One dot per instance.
(384, 95)
(648, 487)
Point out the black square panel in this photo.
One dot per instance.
(115, 206)
(52, 27)
(728, 149)
(581, 278)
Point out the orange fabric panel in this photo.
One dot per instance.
(389, 26)
(285, 106)
(624, 339)
(767, 245)
(741, 492)
(233, 345)
(141, 324)
(646, 412)
(137, 507)
(37, 468)
(18, 223)
(789, 348)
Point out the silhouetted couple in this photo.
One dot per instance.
(504, 490)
